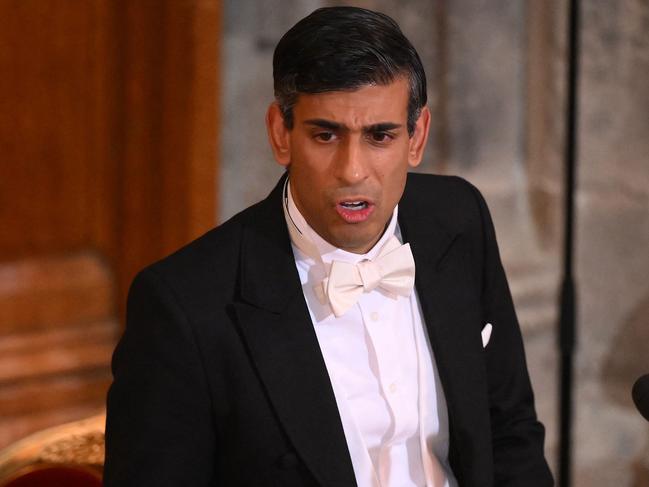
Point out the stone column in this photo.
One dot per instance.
(612, 238)
(251, 31)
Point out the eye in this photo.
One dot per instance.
(381, 137)
(324, 136)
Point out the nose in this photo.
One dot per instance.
(351, 163)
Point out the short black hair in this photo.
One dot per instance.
(345, 48)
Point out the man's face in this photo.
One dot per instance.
(348, 154)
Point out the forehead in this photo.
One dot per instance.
(367, 105)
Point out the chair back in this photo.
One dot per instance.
(70, 455)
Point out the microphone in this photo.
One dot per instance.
(640, 394)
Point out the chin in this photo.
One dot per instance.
(357, 242)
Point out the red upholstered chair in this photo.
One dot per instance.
(71, 455)
(56, 476)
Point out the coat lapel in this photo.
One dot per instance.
(275, 324)
(452, 314)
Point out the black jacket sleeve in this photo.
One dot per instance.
(159, 425)
(516, 433)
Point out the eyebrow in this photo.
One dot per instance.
(376, 127)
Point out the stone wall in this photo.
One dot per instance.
(496, 73)
(613, 238)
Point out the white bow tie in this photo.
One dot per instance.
(392, 270)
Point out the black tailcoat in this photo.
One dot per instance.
(219, 379)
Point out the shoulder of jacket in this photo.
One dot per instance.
(451, 199)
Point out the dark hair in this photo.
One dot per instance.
(345, 48)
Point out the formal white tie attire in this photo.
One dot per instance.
(378, 357)
(392, 270)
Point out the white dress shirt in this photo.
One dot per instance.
(382, 370)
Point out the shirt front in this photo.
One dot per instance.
(382, 371)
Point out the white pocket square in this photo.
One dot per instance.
(486, 334)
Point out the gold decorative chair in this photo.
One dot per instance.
(70, 455)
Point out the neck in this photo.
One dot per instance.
(304, 235)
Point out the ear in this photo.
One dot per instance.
(418, 140)
(278, 135)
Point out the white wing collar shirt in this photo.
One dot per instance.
(380, 364)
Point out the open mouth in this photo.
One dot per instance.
(355, 211)
(354, 205)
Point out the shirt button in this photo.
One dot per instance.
(374, 316)
(392, 388)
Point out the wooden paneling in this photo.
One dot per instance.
(108, 113)
(45, 124)
(57, 332)
(54, 291)
(108, 127)
(108, 158)
(170, 129)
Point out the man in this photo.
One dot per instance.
(288, 347)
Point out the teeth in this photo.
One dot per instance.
(354, 205)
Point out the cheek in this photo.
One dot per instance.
(311, 174)
(311, 192)
(393, 179)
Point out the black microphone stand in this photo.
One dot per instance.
(567, 332)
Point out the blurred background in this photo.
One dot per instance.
(129, 127)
